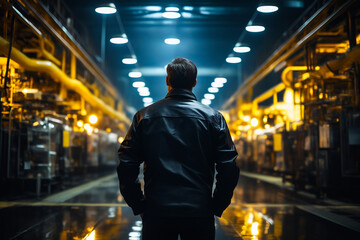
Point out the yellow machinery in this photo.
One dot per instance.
(57, 106)
(307, 127)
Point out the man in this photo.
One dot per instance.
(180, 142)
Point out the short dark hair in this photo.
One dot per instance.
(181, 73)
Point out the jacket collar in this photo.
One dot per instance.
(180, 93)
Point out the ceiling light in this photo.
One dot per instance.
(213, 89)
(217, 84)
(233, 59)
(254, 122)
(172, 9)
(188, 8)
(153, 8)
(220, 80)
(144, 94)
(147, 100)
(172, 41)
(241, 49)
(121, 39)
(206, 101)
(171, 15)
(209, 96)
(129, 61)
(255, 28)
(138, 84)
(106, 9)
(267, 8)
(135, 74)
(145, 105)
(143, 89)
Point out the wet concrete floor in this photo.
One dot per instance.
(258, 210)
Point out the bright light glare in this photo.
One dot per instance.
(246, 118)
(255, 28)
(129, 61)
(93, 119)
(91, 236)
(233, 59)
(206, 101)
(172, 9)
(147, 100)
(254, 122)
(138, 84)
(120, 139)
(135, 74)
(213, 89)
(80, 123)
(153, 8)
(171, 15)
(145, 105)
(143, 89)
(220, 80)
(105, 10)
(119, 40)
(172, 41)
(144, 94)
(217, 84)
(242, 49)
(209, 96)
(267, 9)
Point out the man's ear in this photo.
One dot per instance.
(195, 83)
(167, 81)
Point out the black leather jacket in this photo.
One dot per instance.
(180, 141)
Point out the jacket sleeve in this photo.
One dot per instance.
(129, 168)
(227, 171)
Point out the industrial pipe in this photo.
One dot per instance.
(72, 84)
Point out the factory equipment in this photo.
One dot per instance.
(306, 128)
(58, 109)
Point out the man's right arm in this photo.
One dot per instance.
(227, 171)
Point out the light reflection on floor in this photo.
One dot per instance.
(258, 212)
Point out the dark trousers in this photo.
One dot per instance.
(169, 228)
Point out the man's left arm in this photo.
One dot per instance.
(129, 168)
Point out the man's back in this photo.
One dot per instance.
(181, 142)
(177, 144)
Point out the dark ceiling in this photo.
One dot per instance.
(208, 31)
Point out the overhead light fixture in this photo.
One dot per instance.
(153, 8)
(129, 61)
(143, 89)
(106, 9)
(120, 39)
(209, 96)
(213, 89)
(145, 105)
(172, 41)
(172, 9)
(147, 100)
(188, 8)
(220, 80)
(206, 101)
(267, 8)
(217, 84)
(233, 59)
(135, 74)
(144, 94)
(241, 48)
(138, 84)
(255, 28)
(171, 15)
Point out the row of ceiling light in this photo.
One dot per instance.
(239, 48)
(143, 91)
(173, 13)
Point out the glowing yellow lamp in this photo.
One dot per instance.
(254, 122)
(93, 119)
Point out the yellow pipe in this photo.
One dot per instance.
(285, 76)
(72, 84)
(268, 94)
